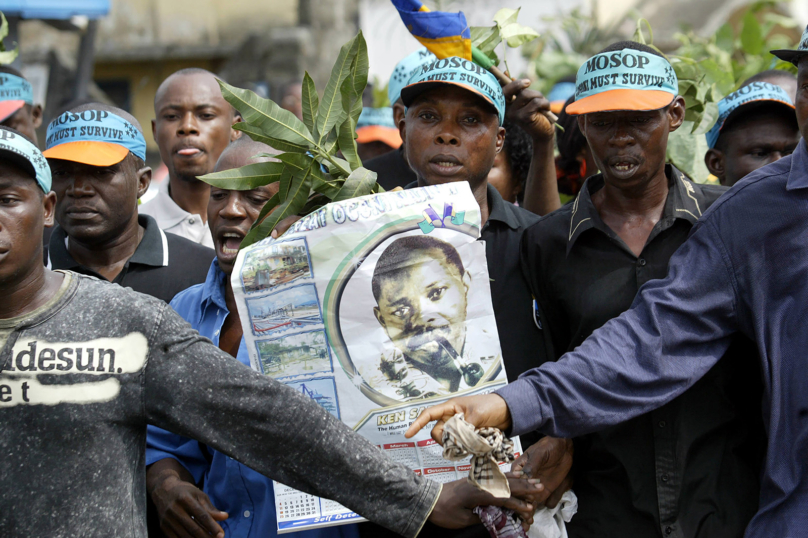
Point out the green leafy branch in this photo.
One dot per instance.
(6, 56)
(320, 162)
(506, 30)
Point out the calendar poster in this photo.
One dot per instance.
(375, 308)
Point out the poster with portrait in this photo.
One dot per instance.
(374, 308)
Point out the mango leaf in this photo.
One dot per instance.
(245, 178)
(506, 16)
(686, 152)
(271, 204)
(359, 183)
(708, 118)
(723, 80)
(6, 57)
(310, 102)
(751, 34)
(330, 112)
(486, 40)
(358, 77)
(267, 116)
(326, 186)
(314, 203)
(347, 143)
(337, 167)
(517, 35)
(299, 189)
(259, 136)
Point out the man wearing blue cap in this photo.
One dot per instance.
(743, 270)
(392, 168)
(17, 108)
(756, 126)
(689, 469)
(97, 155)
(85, 366)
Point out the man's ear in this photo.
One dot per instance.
(398, 112)
(467, 282)
(49, 206)
(676, 112)
(144, 176)
(235, 135)
(714, 160)
(500, 139)
(581, 118)
(154, 129)
(378, 313)
(36, 116)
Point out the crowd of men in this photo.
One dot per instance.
(651, 326)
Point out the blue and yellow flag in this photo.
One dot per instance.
(444, 34)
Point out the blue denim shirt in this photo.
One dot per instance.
(743, 269)
(232, 487)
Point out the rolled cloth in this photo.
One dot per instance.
(487, 446)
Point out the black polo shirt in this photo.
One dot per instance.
(392, 170)
(691, 468)
(163, 265)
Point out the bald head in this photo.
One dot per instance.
(242, 152)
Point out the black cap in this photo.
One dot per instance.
(794, 55)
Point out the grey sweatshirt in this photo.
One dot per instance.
(82, 377)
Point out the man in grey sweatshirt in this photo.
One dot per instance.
(86, 364)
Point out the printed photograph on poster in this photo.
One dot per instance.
(280, 263)
(413, 319)
(288, 309)
(297, 354)
(322, 390)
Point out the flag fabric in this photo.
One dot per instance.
(444, 34)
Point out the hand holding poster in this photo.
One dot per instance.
(374, 307)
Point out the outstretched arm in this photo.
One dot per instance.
(677, 329)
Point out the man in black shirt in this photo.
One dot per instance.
(98, 180)
(689, 469)
(453, 133)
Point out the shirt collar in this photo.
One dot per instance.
(498, 211)
(683, 202)
(170, 212)
(152, 250)
(213, 289)
(798, 177)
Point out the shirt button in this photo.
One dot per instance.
(247, 514)
(668, 530)
(191, 220)
(664, 478)
(641, 262)
(662, 424)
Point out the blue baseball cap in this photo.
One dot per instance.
(754, 93)
(15, 93)
(404, 70)
(559, 94)
(794, 55)
(464, 73)
(16, 148)
(94, 137)
(625, 79)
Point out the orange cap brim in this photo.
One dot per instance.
(94, 153)
(7, 108)
(623, 99)
(378, 133)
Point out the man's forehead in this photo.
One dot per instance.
(197, 89)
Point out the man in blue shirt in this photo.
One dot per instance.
(743, 270)
(238, 498)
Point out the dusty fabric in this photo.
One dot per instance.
(499, 522)
(80, 382)
(487, 446)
